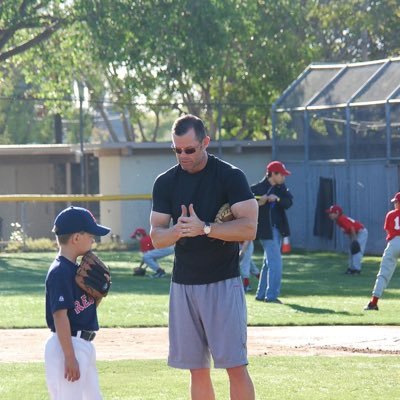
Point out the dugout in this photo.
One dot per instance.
(337, 127)
(126, 169)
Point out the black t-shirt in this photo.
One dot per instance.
(201, 260)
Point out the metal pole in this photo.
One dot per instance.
(82, 158)
(219, 121)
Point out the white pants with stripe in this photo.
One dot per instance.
(387, 267)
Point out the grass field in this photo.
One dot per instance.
(275, 378)
(315, 291)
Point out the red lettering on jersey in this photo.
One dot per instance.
(86, 302)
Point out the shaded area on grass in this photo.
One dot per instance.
(315, 291)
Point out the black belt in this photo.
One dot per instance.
(85, 335)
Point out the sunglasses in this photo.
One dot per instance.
(187, 150)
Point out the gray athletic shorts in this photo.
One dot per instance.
(206, 319)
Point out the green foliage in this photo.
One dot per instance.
(20, 242)
(348, 31)
(31, 245)
(275, 378)
(224, 60)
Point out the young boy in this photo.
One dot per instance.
(356, 231)
(70, 357)
(150, 254)
(390, 255)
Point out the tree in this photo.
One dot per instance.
(355, 30)
(222, 59)
(150, 60)
(26, 23)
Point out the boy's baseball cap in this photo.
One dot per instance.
(140, 231)
(78, 219)
(396, 197)
(334, 209)
(278, 167)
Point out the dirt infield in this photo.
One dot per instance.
(26, 345)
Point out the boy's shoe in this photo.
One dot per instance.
(371, 306)
(352, 271)
(276, 301)
(159, 274)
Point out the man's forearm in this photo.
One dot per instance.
(234, 231)
(163, 237)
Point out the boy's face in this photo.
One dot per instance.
(84, 242)
(138, 236)
(333, 216)
(396, 205)
(277, 178)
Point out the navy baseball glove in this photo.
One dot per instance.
(355, 247)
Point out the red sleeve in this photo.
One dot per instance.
(146, 244)
(392, 224)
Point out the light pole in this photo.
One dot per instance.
(82, 158)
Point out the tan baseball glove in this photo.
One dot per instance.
(224, 214)
(93, 276)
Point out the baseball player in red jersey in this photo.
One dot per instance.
(150, 254)
(390, 255)
(356, 231)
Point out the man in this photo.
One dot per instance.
(273, 198)
(207, 301)
(355, 230)
(390, 255)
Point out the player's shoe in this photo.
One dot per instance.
(371, 306)
(159, 274)
(276, 301)
(352, 271)
(257, 299)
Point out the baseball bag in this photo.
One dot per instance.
(224, 214)
(139, 271)
(93, 276)
(355, 247)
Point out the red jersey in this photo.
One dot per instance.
(392, 224)
(146, 244)
(346, 223)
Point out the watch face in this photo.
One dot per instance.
(207, 229)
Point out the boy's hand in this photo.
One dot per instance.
(71, 369)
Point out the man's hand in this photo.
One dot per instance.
(189, 225)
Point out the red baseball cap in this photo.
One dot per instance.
(140, 231)
(334, 209)
(396, 197)
(278, 167)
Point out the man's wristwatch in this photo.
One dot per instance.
(207, 228)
